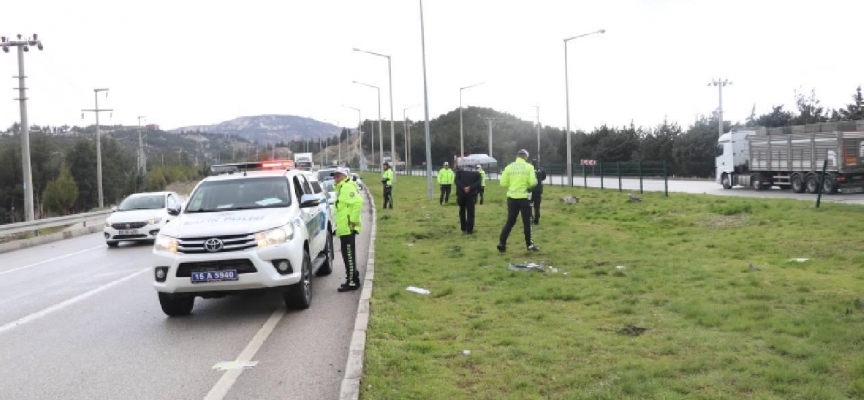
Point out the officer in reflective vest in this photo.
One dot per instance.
(519, 179)
(347, 211)
(387, 180)
(445, 179)
(482, 184)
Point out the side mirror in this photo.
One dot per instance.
(309, 200)
(174, 211)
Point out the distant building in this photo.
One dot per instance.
(152, 127)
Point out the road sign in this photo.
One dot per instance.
(587, 162)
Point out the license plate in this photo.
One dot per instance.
(214, 276)
(128, 232)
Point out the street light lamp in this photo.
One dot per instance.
(380, 135)
(22, 45)
(461, 142)
(567, 92)
(392, 124)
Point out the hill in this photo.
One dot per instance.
(269, 129)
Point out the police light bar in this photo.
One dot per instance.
(254, 166)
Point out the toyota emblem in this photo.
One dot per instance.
(128, 226)
(213, 245)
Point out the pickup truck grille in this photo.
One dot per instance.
(128, 225)
(243, 266)
(229, 243)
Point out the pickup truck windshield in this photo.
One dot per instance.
(149, 202)
(240, 194)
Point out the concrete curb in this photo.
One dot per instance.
(54, 237)
(350, 389)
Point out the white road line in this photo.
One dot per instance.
(59, 306)
(51, 260)
(220, 390)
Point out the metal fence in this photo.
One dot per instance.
(34, 226)
(610, 174)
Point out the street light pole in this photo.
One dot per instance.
(407, 139)
(392, 123)
(567, 92)
(142, 162)
(461, 140)
(426, 108)
(720, 84)
(99, 144)
(27, 178)
(380, 127)
(360, 133)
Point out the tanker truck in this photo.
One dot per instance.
(793, 157)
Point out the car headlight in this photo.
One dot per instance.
(275, 236)
(165, 244)
(154, 221)
(107, 224)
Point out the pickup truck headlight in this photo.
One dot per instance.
(275, 236)
(165, 244)
(107, 224)
(154, 221)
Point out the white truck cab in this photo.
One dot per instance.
(254, 226)
(733, 154)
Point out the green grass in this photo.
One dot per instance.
(715, 329)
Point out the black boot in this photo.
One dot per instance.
(349, 286)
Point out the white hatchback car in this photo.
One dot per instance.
(141, 216)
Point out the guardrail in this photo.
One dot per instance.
(19, 227)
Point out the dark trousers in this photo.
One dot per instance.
(480, 195)
(445, 194)
(466, 211)
(349, 257)
(536, 198)
(388, 195)
(514, 207)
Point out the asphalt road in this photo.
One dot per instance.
(81, 321)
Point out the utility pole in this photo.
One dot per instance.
(538, 133)
(99, 143)
(490, 122)
(142, 161)
(24, 46)
(720, 84)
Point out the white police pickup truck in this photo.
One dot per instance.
(242, 230)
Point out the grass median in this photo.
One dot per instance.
(651, 299)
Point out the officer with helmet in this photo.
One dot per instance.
(348, 207)
(519, 179)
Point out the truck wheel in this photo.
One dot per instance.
(727, 181)
(812, 184)
(327, 267)
(797, 183)
(756, 182)
(830, 185)
(299, 295)
(176, 305)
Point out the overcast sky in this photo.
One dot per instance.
(200, 62)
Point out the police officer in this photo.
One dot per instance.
(482, 184)
(387, 180)
(467, 186)
(349, 204)
(445, 179)
(519, 179)
(537, 191)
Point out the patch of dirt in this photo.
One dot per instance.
(714, 221)
(631, 330)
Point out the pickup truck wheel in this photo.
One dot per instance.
(797, 183)
(327, 267)
(176, 305)
(812, 184)
(299, 295)
(727, 181)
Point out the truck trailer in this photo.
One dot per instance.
(793, 157)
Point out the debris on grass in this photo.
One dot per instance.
(409, 244)
(570, 200)
(530, 266)
(631, 330)
(466, 352)
(799, 260)
(634, 199)
(417, 290)
(620, 267)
